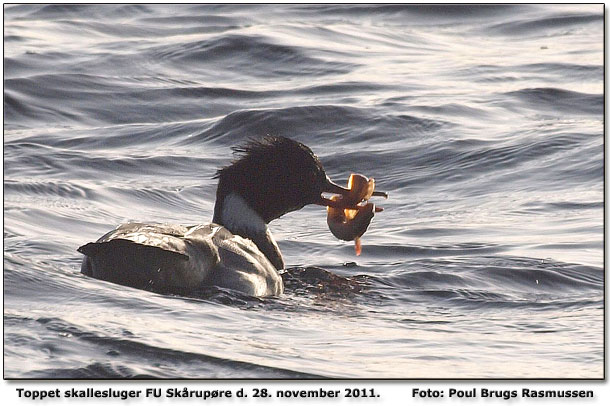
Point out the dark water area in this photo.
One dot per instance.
(484, 123)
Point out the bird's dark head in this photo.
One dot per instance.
(273, 176)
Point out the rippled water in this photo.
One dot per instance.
(484, 123)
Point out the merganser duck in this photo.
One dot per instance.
(269, 178)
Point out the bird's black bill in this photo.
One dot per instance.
(332, 187)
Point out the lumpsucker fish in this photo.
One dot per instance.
(351, 223)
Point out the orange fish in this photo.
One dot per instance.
(351, 223)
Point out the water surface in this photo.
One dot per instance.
(484, 123)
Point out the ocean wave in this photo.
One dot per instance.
(543, 24)
(130, 353)
(414, 11)
(553, 99)
(501, 274)
(249, 55)
(557, 73)
(293, 122)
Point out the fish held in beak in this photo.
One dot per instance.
(349, 214)
(337, 202)
(359, 189)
